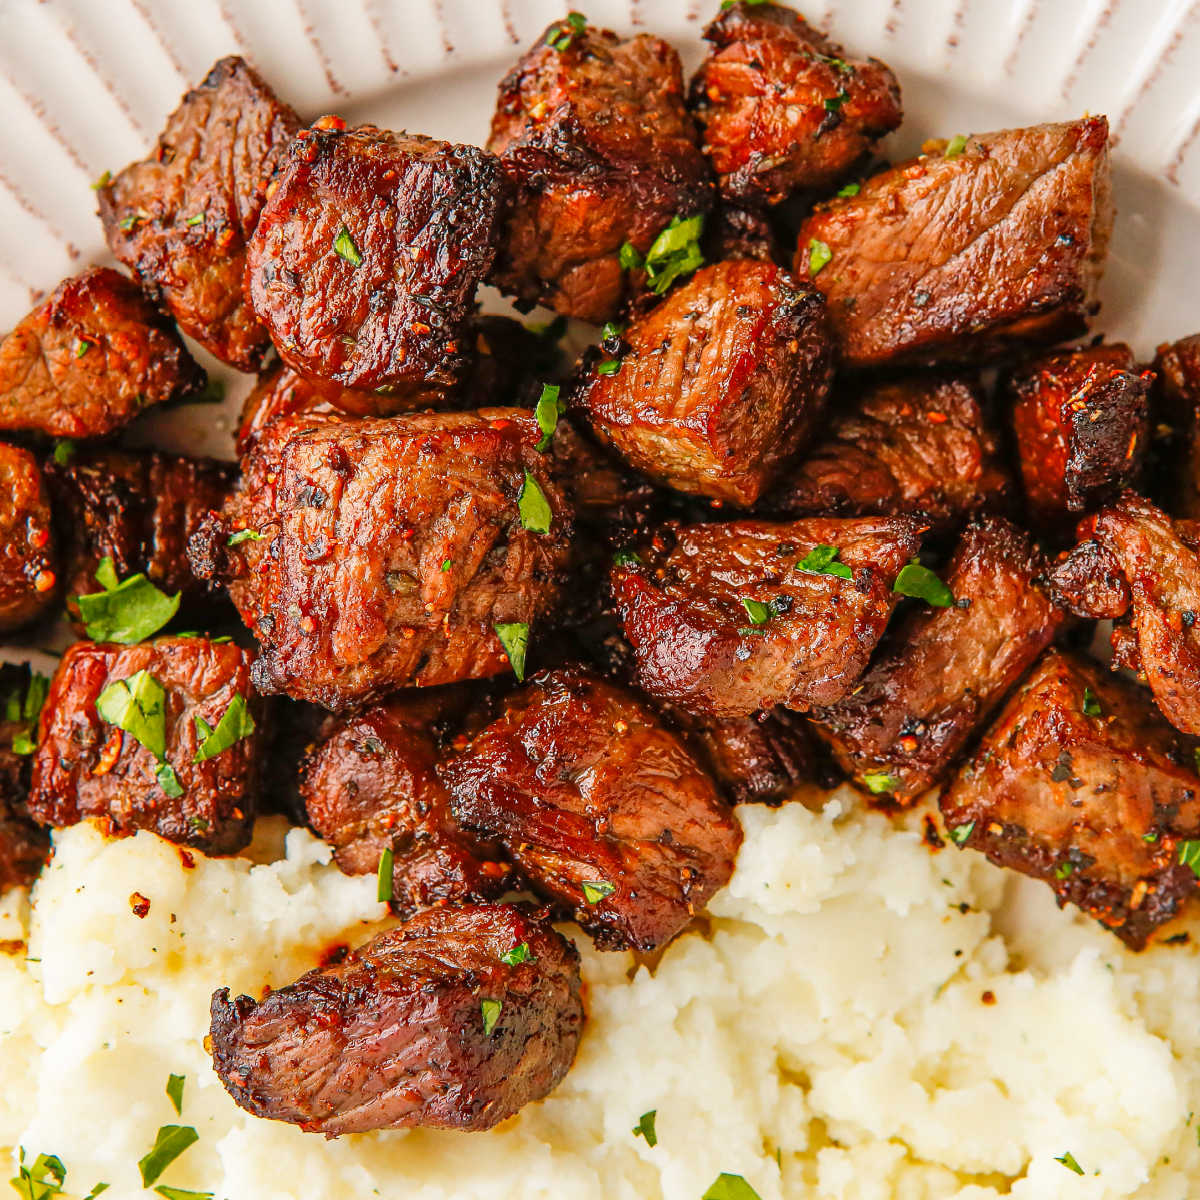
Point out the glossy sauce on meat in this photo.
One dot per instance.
(720, 384)
(28, 553)
(601, 808)
(965, 256)
(426, 1024)
(689, 610)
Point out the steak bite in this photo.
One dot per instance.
(371, 785)
(455, 1020)
(1081, 783)
(592, 132)
(366, 258)
(601, 808)
(1177, 367)
(1081, 419)
(1150, 573)
(724, 620)
(918, 445)
(181, 217)
(384, 553)
(964, 255)
(28, 558)
(24, 846)
(139, 509)
(90, 358)
(943, 670)
(160, 736)
(721, 383)
(781, 107)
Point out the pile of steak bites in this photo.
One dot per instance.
(514, 626)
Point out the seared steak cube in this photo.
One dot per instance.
(918, 445)
(456, 1020)
(724, 619)
(943, 670)
(366, 258)
(382, 553)
(371, 785)
(1178, 369)
(23, 845)
(181, 217)
(1081, 783)
(781, 107)
(592, 131)
(721, 383)
(601, 808)
(160, 736)
(965, 254)
(503, 352)
(90, 358)
(1081, 421)
(28, 560)
(139, 509)
(1148, 570)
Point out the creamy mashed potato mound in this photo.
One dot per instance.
(862, 1019)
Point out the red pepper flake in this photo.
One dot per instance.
(140, 905)
(188, 861)
(329, 121)
(308, 625)
(109, 753)
(908, 743)
(988, 997)
(39, 537)
(499, 425)
(45, 581)
(937, 418)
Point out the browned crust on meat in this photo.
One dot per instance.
(945, 258)
(1095, 806)
(181, 217)
(28, 553)
(89, 359)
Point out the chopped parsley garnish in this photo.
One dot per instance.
(244, 535)
(595, 890)
(880, 782)
(552, 331)
(819, 256)
(626, 558)
(822, 560)
(533, 506)
(137, 705)
(387, 861)
(954, 147)
(517, 955)
(1091, 706)
(1064, 869)
(175, 1091)
(730, 1187)
(560, 35)
(922, 584)
(758, 612)
(26, 709)
(197, 219)
(514, 637)
(82, 347)
(1189, 856)
(102, 182)
(629, 256)
(960, 833)
(344, 247)
(1068, 1161)
(44, 1178)
(235, 723)
(727, 4)
(675, 252)
(610, 366)
(446, 565)
(645, 1128)
(851, 189)
(169, 1144)
(172, 1193)
(491, 1014)
(64, 451)
(834, 103)
(610, 331)
(546, 414)
(168, 781)
(126, 612)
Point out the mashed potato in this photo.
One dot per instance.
(865, 1020)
